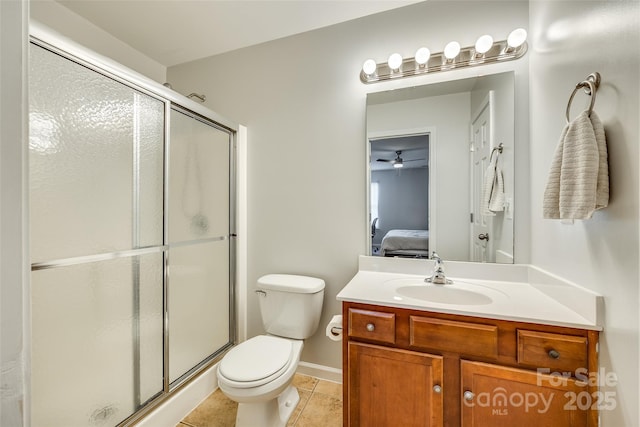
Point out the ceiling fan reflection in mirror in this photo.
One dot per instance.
(398, 162)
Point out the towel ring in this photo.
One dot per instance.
(590, 86)
(497, 149)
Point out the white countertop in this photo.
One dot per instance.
(520, 293)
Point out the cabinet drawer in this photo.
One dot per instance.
(452, 336)
(372, 325)
(560, 353)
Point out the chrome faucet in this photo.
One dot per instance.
(438, 277)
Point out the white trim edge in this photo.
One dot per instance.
(174, 409)
(241, 230)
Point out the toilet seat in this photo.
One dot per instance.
(256, 361)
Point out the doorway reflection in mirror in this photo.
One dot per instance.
(400, 188)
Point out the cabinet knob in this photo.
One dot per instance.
(437, 388)
(554, 354)
(371, 327)
(468, 395)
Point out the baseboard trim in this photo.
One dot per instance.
(320, 371)
(174, 409)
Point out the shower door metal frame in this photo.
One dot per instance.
(215, 357)
(172, 100)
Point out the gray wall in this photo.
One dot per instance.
(571, 40)
(304, 106)
(404, 199)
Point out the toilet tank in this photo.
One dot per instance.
(290, 305)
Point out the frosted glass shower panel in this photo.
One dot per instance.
(130, 227)
(198, 304)
(96, 161)
(148, 170)
(198, 179)
(86, 319)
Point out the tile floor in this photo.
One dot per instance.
(320, 406)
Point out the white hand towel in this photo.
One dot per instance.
(578, 182)
(496, 202)
(492, 189)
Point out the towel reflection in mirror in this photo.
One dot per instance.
(493, 186)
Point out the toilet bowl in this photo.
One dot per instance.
(258, 372)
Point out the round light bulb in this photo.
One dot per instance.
(484, 43)
(397, 165)
(451, 50)
(517, 37)
(395, 61)
(422, 55)
(369, 67)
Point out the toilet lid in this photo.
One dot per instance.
(256, 359)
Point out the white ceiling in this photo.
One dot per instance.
(176, 31)
(412, 149)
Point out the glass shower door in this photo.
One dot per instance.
(132, 269)
(96, 156)
(199, 252)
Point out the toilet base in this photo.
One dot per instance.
(273, 413)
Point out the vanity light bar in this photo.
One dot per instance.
(485, 51)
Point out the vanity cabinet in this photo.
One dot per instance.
(386, 382)
(496, 396)
(418, 368)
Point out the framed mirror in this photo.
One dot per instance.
(440, 174)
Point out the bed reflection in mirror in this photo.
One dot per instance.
(430, 149)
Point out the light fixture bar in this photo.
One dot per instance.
(500, 51)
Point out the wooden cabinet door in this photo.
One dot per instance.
(391, 387)
(496, 396)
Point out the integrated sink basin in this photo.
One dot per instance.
(444, 294)
(457, 293)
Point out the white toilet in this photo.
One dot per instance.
(258, 372)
